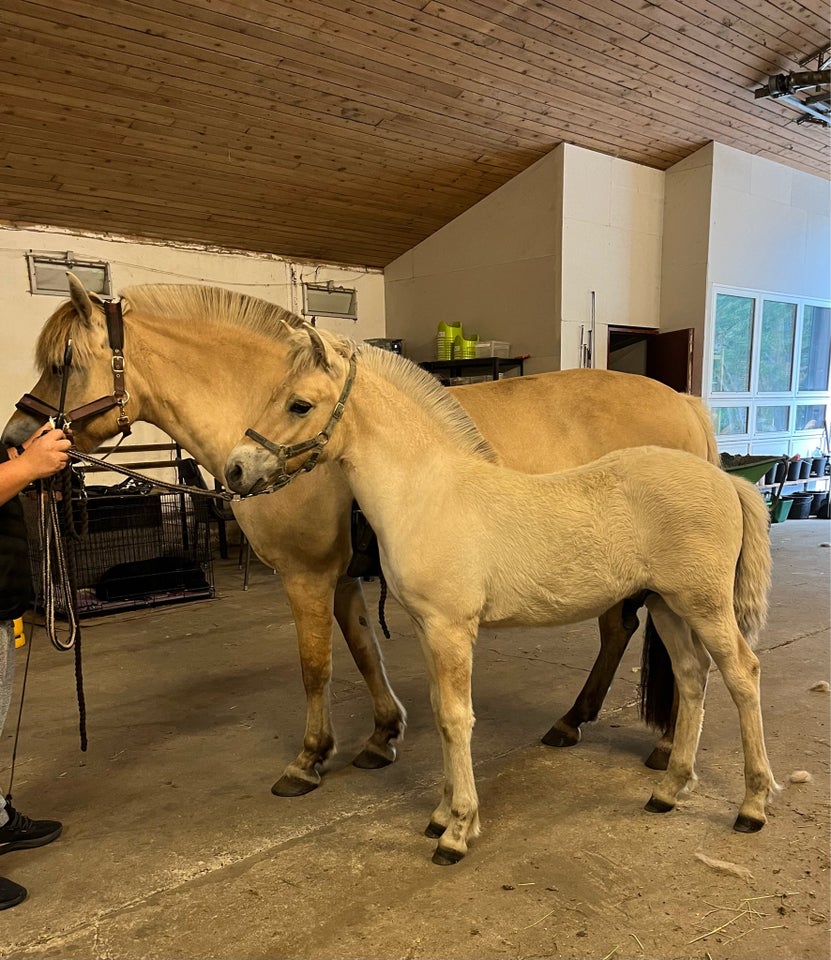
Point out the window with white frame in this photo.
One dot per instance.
(47, 273)
(769, 367)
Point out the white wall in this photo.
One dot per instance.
(612, 230)
(496, 268)
(771, 226)
(269, 278)
(686, 250)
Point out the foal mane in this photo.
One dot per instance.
(178, 303)
(426, 390)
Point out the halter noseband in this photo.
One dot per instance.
(284, 452)
(33, 405)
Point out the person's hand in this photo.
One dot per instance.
(45, 453)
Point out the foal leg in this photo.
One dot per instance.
(616, 628)
(448, 651)
(691, 666)
(311, 601)
(390, 717)
(739, 666)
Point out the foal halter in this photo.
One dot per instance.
(33, 405)
(284, 452)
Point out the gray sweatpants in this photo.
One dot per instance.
(7, 656)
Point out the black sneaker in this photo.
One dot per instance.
(21, 832)
(11, 893)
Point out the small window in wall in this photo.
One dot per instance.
(772, 419)
(730, 421)
(327, 300)
(810, 416)
(47, 273)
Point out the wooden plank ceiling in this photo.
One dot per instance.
(346, 132)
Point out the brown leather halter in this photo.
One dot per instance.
(34, 406)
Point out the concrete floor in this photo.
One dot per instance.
(174, 847)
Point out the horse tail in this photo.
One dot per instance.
(753, 568)
(705, 421)
(657, 681)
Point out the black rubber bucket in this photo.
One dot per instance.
(801, 505)
(819, 497)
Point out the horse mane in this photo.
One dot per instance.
(424, 388)
(178, 303)
(189, 301)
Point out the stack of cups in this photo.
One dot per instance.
(448, 340)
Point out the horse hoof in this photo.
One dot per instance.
(289, 786)
(658, 806)
(657, 760)
(446, 858)
(745, 824)
(558, 737)
(434, 830)
(371, 760)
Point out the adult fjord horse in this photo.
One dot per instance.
(527, 550)
(198, 361)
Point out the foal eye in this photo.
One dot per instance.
(300, 407)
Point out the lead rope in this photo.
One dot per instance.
(56, 582)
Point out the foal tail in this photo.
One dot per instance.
(753, 568)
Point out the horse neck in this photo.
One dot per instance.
(393, 445)
(199, 386)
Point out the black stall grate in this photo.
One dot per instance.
(140, 550)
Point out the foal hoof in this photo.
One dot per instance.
(446, 858)
(745, 824)
(658, 759)
(560, 737)
(654, 805)
(372, 760)
(434, 830)
(289, 786)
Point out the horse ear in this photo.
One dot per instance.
(79, 297)
(318, 347)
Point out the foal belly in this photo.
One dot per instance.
(536, 604)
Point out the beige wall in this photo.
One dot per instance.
(495, 268)
(521, 264)
(269, 278)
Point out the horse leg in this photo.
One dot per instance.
(616, 628)
(448, 651)
(390, 717)
(691, 666)
(740, 669)
(311, 604)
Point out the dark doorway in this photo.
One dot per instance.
(662, 356)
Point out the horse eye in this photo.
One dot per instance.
(57, 369)
(300, 407)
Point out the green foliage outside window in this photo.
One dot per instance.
(815, 351)
(776, 346)
(731, 344)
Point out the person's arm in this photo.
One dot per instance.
(44, 454)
